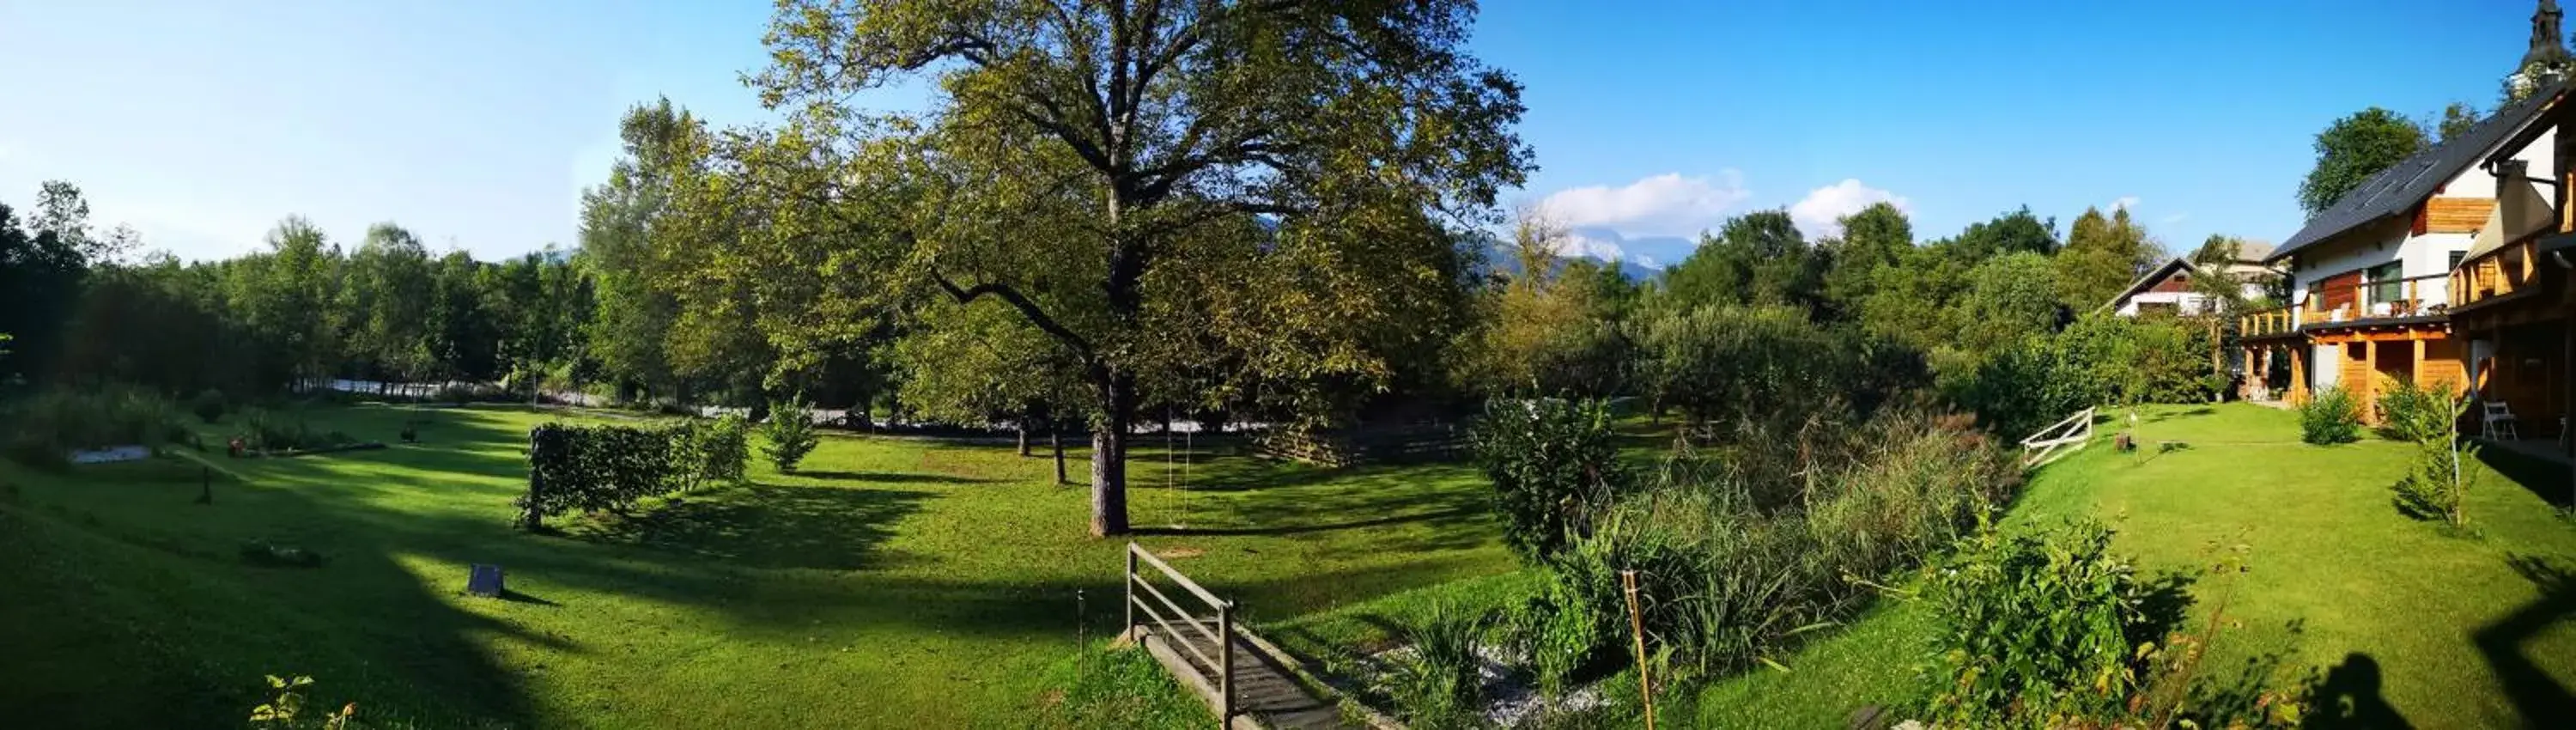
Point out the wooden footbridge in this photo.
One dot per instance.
(1250, 683)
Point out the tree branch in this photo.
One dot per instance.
(1028, 309)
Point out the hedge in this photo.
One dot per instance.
(593, 468)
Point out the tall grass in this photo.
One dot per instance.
(44, 428)
(1726, 583)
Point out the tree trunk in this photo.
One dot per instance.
(1022, 426)
(1109, 454)
(1055, 438)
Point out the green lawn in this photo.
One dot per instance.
(2399, 619)
(893, 583)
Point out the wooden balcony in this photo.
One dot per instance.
(2362, 303)
(2498, 273)
(2272, 322)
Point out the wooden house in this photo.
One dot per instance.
(2371, 276)
(2510, 297)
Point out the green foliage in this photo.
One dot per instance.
(286, 710)
(2017, 231)
(1551, 461)
(1727, 585)
(1755, 258)
(2036, 630)
(709, 452)
(2103, 255)
(1438, 683)
(2437, 480)
(2352, 149)
(789, 433)
(2331, 416)
(1873, 241)
(2009, 298)
(209, 405)
(1727, 364)
(594, 468)
(2100, 360)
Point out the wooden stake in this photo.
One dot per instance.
(1637, 626)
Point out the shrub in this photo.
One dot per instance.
(1550, 462)
(1440, 682)
(2333, 416)
(2436, 483)
(2034, 629)
(2413, 413)
(790, 432)
(209, 405)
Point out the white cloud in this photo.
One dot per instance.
(1599, 247)
(2126, 202)
(1662, 205)
(2173, 219)
(1820, 213)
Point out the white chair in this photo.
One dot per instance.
(2499, 423)
(2381, 309)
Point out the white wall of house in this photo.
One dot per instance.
(2541, 154)
(2425, 255)
(2324, 363)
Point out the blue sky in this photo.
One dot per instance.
(477, 123)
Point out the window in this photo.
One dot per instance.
(2456, 256)
(2383, 282)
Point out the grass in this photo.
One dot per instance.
(2394, 620)
(892, 582)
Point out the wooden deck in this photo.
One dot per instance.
(1266, 694)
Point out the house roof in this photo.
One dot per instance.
(2146, 282)
(2397, 190)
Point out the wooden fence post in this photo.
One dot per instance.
(1128, 630)
(1637, 624)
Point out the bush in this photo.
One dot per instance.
(790, 432)
(1440, 682)
(2333, 416)
(1550, 462)
(209, 405)
(2034, 629)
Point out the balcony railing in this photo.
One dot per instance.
(2391, 299)
(2497, 273)
(2267, 322)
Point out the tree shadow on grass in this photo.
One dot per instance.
(765, 526)
(2548, 480)
(893, 477)
(2540, 699)
(1445, 514)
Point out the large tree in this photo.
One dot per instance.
(2104, 254)
(1285, 174)
(1873, 239)
(1755, 258)
(2354, 148)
